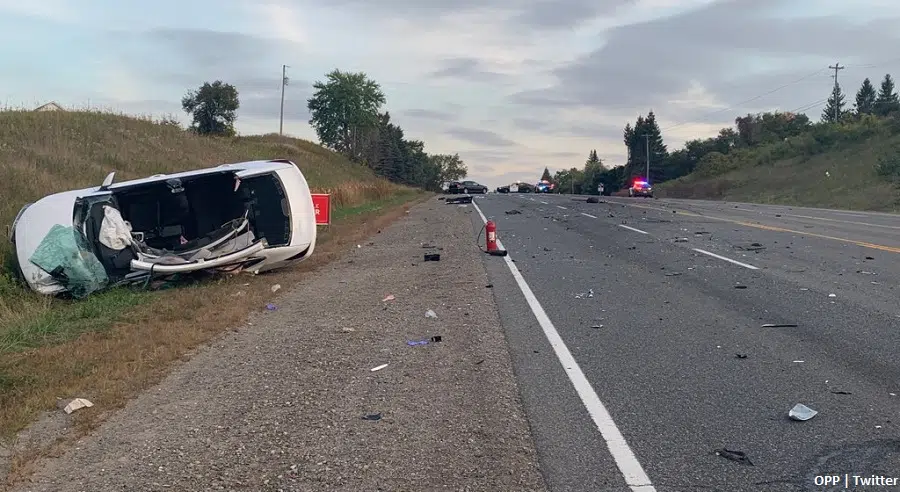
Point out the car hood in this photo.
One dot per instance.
(33, 225)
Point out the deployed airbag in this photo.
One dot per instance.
(115, 233)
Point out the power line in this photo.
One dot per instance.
(735, 106)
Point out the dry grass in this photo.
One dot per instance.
(109, 367)
(116, 342)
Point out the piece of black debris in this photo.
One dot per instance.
(738, 456)
(371, 416)
(777, 215)
(428, 246)
(673, 274)
(869, 258)
(841, 393)
(433, 257)
(479, 362)
(597, 327)
(740, 286)
(513, 212)
(741, 356)
(547, 249)
(593, 199)
(779, 325)
(437, 338)
(489, 286)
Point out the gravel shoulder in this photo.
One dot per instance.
(277, 404)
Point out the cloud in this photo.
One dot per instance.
(430, 114)
(480, 137)
(467, 69)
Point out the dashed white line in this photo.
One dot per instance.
(560, 206)
(632, 228)
(729, 260)
(589, 215)
(635, 476)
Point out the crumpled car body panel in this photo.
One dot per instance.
(294, 238)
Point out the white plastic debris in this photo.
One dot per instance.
(388, 298)
(276, 287)
(430, 314)
(382, 366)
(802, 412)
(76, 404)
(832, 295)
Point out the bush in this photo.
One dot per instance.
(888, 165)
(714, 164)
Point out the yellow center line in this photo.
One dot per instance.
(864, 244)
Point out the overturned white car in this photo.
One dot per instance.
(249, 216)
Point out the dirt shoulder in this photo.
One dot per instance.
(277, 404)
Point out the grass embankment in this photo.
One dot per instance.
(115, 343)
(853, 167)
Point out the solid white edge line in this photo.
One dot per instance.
(560, 206)
(589, 215)
(632, 229)
(632, 471)
(729, 260)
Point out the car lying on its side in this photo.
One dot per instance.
(250, 216)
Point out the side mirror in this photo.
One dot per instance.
(108, 181)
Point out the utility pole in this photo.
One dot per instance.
(836, 67)
(284, 81)
(647, 141)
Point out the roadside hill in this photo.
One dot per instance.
(47, 152)
(853, 166)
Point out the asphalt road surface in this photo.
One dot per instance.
(670, 359)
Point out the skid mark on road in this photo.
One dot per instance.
(626, 461)
(632, 229)
(729, 260)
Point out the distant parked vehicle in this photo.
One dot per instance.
(467, 187)
(503, 189)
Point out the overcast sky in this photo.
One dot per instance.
(511, 85)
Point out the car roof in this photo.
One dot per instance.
(262, 165)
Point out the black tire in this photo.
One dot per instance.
(465, 191)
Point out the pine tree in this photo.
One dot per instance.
(834, 108)
(865, 98)
(887, 101)
(592, 158)
(546, 176)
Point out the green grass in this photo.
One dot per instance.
(794, 173)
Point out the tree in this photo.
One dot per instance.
(450, 167)
(887, 101)
(865, 98)
(546, 175)
(213, 108)
(345, 110)
(590, 177)
(834, 108)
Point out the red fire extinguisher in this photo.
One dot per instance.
(491, 230)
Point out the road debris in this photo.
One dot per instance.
(378, 368)
(271, 307)
(750, 247)
(513, 212)
(489, 286)
(802, 413)
(588, 294)
(740, 286)
(433, 257)
(436, 339)
(799, 361)
(779, 325)
(276, 287)
(673, 274)
(832, 295)
(77, 404)
(681, 239)
(740, 356)
(738, 456)
(866, 273)
(547, 249)
(430, 314)
(597, 327)
(841, 393)
(390, 297)
(459, 200)
(869, 258)
(372, 416)
(593, 199)
(413, 343)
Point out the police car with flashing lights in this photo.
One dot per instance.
(641, 187)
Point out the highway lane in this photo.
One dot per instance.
(672, 320)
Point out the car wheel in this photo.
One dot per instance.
(466, 191)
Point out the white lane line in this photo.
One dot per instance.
(589, 215)
(631, 469)
(631, 228)
(560, 206)
(545, 203)
(729, 260)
